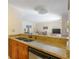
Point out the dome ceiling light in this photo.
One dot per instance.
(41, 10)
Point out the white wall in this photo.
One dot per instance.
(14, 24)
(51, 25)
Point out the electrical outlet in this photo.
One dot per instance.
(13, 30)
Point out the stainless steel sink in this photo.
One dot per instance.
(24, 39)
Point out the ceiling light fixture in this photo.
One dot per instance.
(41, 10)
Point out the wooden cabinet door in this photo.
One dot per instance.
(14, 50)
(18, 50)
(9, 47)
(23, 51)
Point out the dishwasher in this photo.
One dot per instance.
(36, 54)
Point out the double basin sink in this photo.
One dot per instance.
(24, 39)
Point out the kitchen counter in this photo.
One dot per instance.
(54, 36)
(50, 40)
(52, 50)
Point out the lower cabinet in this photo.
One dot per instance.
(14, 49)
(18, 50)
(23, 51)
(10, 48)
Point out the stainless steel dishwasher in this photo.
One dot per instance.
(36, 54)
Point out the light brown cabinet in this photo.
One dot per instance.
(9, 48)
(23, 51)
(14, 49)
(18, 50)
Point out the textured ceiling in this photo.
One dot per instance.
(25, 8)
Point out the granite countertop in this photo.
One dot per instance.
(55, 51)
